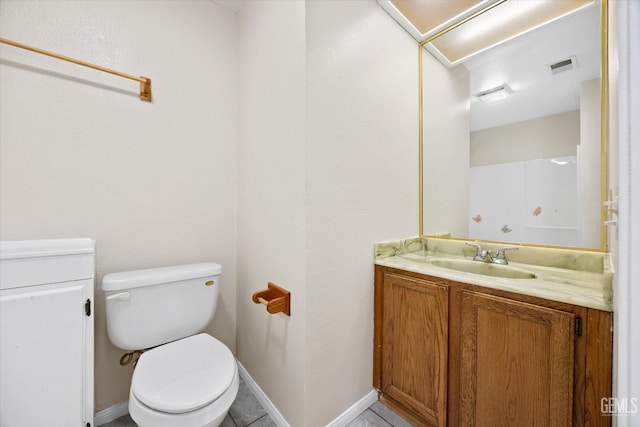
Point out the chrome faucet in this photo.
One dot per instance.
(485, 255)
(501, 258)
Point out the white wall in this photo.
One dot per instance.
(80, 155)
(271, 197)
(327, 166)
(362, 187)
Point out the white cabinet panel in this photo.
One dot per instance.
(43, 363)
(46, 335)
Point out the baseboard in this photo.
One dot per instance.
(343, 419)
(356, 409)
(271, 409)
(111, 413)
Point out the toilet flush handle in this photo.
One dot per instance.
(120, 296)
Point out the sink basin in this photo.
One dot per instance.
(483, 268)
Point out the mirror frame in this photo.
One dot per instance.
(604, 130)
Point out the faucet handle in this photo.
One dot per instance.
(480, 253)
(476, 244)
(501, 257)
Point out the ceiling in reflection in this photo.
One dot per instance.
(523, 64)
(500, 24)
(512, 44)
(424, 19)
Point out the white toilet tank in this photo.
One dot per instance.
(146, 308)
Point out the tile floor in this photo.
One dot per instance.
(247, 411)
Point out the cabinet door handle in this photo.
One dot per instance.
(120, 296)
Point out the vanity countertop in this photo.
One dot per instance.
(576, 277)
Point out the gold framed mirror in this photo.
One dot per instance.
(530, 169)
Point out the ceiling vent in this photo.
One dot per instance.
(563, 66)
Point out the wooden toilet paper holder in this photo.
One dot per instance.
(275, 298)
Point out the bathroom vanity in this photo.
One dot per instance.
(461, 338)
(525, 344)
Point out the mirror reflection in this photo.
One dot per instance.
(512, 140)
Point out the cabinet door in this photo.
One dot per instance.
(414, 345)
(47, 347)
(517, 363)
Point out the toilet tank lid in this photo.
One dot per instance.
(156, 276)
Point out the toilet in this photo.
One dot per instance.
(185, 378)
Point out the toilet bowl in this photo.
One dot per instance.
(189, 382)
(185, 378)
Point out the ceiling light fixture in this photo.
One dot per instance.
(492, 95)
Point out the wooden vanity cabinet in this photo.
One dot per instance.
(453, 354)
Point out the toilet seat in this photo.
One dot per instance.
(184, 375)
